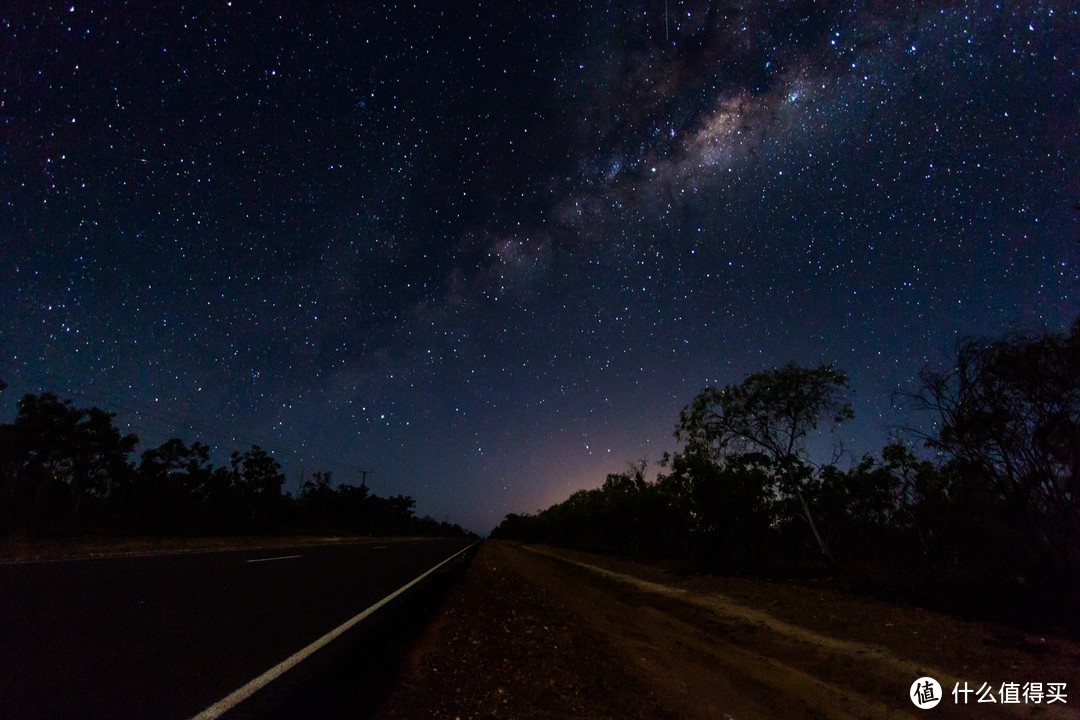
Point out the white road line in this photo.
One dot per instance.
(241, 694)
(279, 557)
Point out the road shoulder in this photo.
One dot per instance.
(505, 646)
(562, 634)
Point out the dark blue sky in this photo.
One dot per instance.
(490, 249)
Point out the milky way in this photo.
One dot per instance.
(488, 250)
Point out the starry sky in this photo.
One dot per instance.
(489, 249)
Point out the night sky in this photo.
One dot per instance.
(489, 249)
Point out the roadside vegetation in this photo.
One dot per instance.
(68, 471)
(981, 515)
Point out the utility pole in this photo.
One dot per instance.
(363, 477)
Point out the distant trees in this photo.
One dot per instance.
(68, 470)
(348, 508)
(626, 516)
(990, 520)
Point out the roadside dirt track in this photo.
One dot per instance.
(542, 633)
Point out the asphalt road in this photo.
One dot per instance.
(166, 636)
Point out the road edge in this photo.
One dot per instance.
(253, 686)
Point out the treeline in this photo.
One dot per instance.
(985, 519)
(66, 470)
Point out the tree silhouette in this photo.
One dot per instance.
(66, 469)
(988, 524)
(772, 413)
(318, 484)
(255, 473)
(1008, 411)
(56, 459)
(171, 485)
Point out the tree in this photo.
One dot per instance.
(319, 484)
(171, 484)
(728, 502)
(402, 507)
(257, 481)
(55, 457)
(1009, 411)
(773, 413)
(256, 473)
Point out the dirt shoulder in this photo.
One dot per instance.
(539, 633)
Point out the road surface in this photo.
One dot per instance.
(166, 636)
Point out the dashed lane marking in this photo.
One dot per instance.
(269, 559)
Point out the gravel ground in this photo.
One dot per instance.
(503, 647)
(536, 633)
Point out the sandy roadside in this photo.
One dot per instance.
(537, 633)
